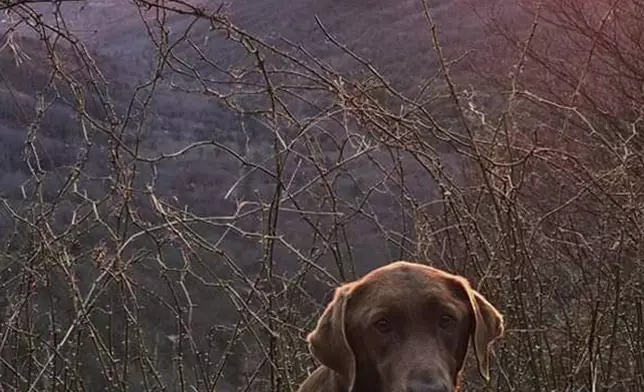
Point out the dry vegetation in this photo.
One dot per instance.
(182, 232)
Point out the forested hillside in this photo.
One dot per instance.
(184, 182)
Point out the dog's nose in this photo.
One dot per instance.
(427, 383)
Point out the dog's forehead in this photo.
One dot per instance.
(401, 281)
(401, 272)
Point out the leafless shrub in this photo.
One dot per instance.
(182, 232)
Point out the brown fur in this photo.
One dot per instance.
(403, 327)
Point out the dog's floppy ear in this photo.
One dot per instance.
(328, 341)
(488, 326)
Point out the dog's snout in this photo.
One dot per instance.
(426, 383)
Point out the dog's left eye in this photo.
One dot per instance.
(383, 325)
(446, 321)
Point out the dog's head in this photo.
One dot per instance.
(405, 327)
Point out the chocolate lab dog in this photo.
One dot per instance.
(403, 327)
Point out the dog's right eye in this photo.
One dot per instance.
(446, 321)
(382, 325)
